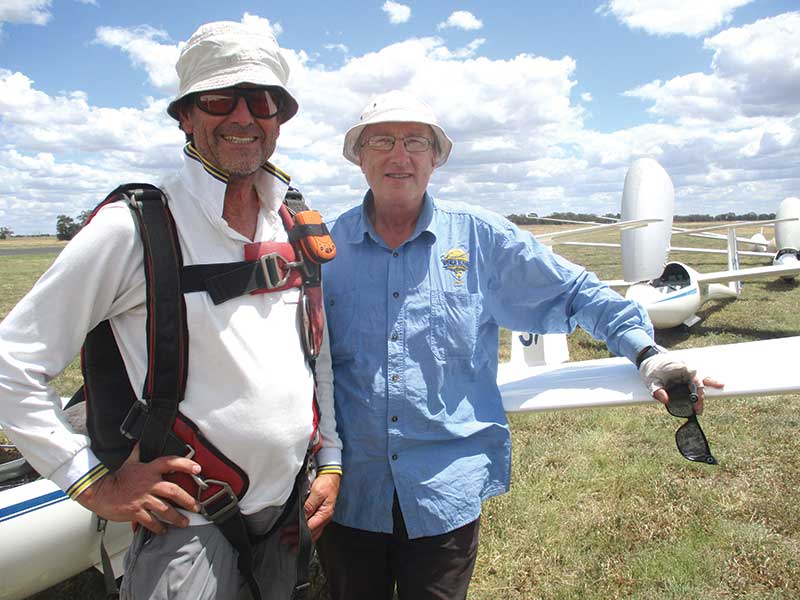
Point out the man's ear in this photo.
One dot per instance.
(185, 118)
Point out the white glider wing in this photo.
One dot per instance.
(749, 273)
(747, 369)
(572, 234)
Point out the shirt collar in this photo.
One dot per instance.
(365, 227)
(207, 183)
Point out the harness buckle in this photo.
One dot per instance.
(134, 421)
(271, 264)
(202, 485)
(218, 507)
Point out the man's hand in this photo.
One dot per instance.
(321, 501)
(137, 492)
(663, 370)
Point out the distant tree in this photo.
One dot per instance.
(5, 232)
(84, 216)
(66, 227)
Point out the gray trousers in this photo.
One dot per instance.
(198, 563)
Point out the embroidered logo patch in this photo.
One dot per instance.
(457, 262)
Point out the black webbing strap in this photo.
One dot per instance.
(167, 333)
(302, 583)
(234, 528)
(109, 582)
(301, 231)
(224, 281)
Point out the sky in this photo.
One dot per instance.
(548, 103)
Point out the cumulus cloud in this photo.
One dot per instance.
(729, 137)
(34, 12)
(672, 17)
(398, 13)
(339, 47)
(144, 47)
(461, 19)
(275, 29)
(763, 60)
(755, 72)
(68, 161)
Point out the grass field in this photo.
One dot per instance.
(602, 506)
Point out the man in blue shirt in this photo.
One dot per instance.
(414, 301)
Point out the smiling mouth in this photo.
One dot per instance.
(398, 175)
(236, 139)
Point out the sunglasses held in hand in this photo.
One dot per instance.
(690, 439)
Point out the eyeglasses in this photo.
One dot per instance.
(689, 438)
(384, 143)
(222, 102)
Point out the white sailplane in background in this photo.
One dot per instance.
(783, 248)
(673, 292)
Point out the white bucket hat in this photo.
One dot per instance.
(396, 107)
(225, 54)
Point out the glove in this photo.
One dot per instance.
(664, 370)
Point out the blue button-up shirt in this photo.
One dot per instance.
(414, 340)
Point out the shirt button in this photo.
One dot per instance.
(395, 254)
(394, 456)
(332, 302)
(394, 337)
(394, 418)
(395, 378)
(396, 294)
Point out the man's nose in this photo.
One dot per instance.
(241, 112)
(398, 151)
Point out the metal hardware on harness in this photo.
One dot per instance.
(274, 259)
(131, 427)
(201, 483)
(222, 513)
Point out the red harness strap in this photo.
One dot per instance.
(218, 472)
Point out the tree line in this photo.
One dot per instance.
(534, 219)
(67, 227)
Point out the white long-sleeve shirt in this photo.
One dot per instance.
(249, 389)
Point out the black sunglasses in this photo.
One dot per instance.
(689, 438)
(261, 103)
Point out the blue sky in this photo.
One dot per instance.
(548, 102)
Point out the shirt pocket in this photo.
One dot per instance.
(340, 309)
(454, 324)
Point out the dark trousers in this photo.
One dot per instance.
(364, 565)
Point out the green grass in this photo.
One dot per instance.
(602, 506)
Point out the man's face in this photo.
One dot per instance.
(237, 142)
(397, 176)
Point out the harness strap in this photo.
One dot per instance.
(303, 230)
(167, 332)
(273, 271)
(159, 427)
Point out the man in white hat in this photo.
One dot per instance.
(249, 386)
(414, 301)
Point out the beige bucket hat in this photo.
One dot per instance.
(396, 107)
(224, 54)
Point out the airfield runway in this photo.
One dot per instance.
(31, 250)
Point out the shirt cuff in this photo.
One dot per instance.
(328, 460)
(78, 474)
(634, 342)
